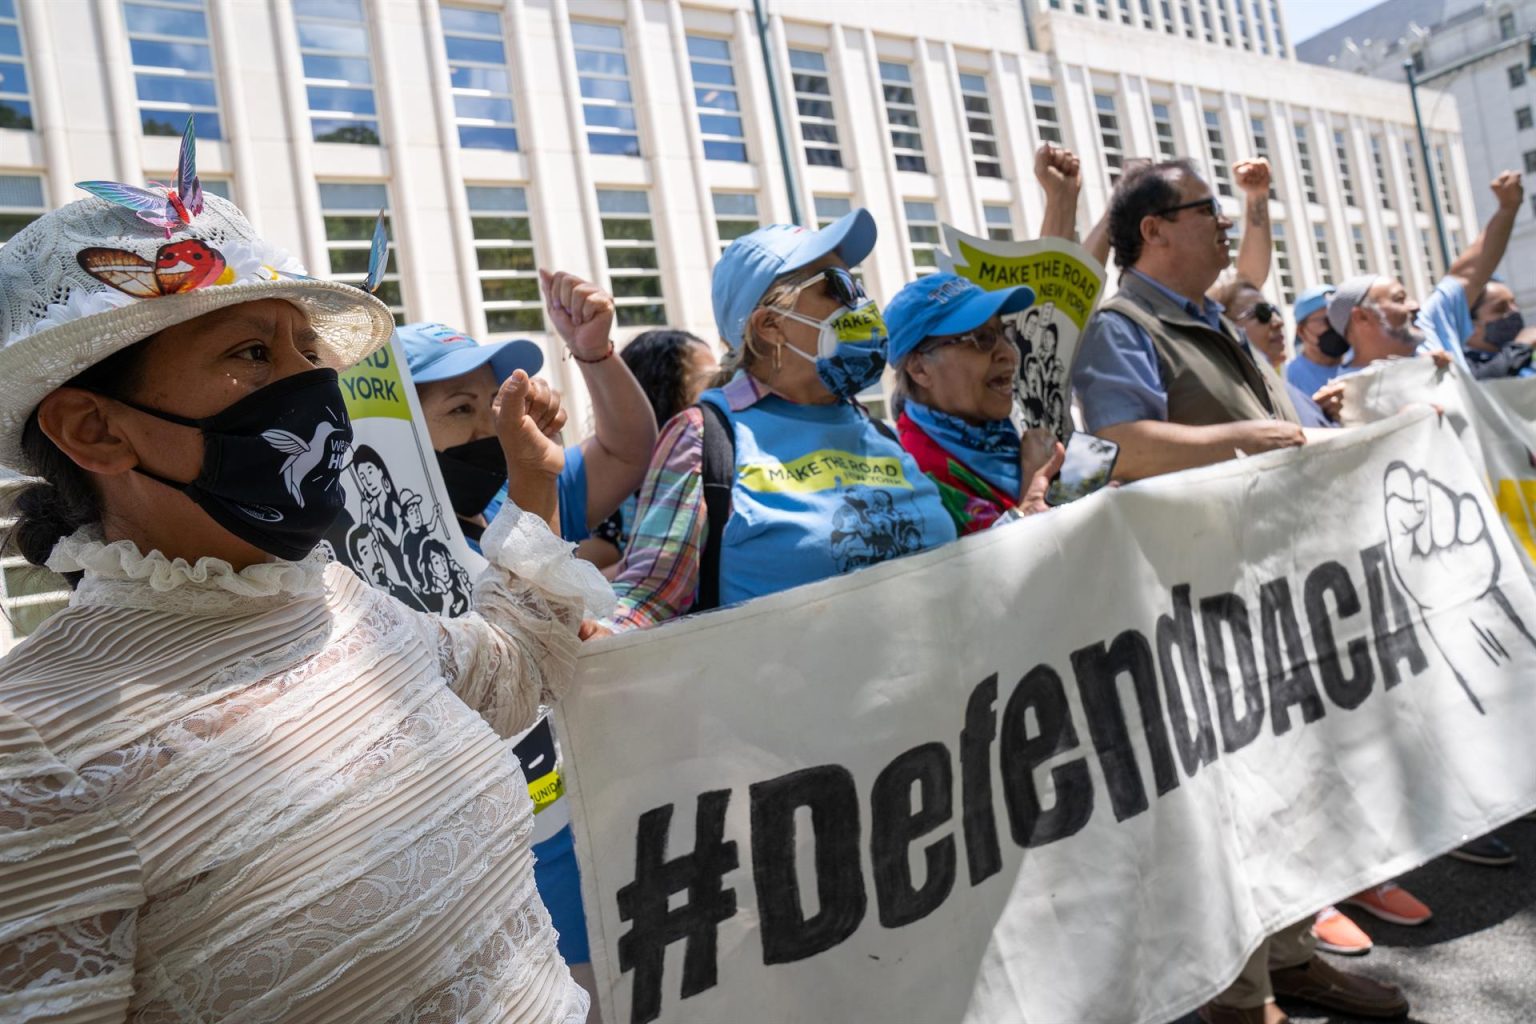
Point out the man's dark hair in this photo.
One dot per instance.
(1140, 194)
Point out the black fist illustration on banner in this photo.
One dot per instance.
(1444, 558)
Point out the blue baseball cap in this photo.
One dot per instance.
(750, 264)
(438, 352)
(1310, 301)
(941, 304)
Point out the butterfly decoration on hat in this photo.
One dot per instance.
(174, 206)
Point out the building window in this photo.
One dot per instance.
(923, 235)
(1166, 6)
(901, 113)
(1358, 235)
(1274, 14)
(978, 124)
(1207, 29)
(1429, 257)
(221, 187)
(504, 259)
(1530, 161)
(629, 239)
(1226, 22)
(1109, 136)
(1507, 25)
(1522, 118)
(1261, 146)
(28, 594)
(1047, 121)
(1304, 159)
(1188, 14)
(1379, 161)
(1445, 182)
(338, 71)
(735, 215)
(607, 105)
(480, 77)
(21, 202)
(1396, 252)
(829, 208)
(1102, 7)
(1283, 272)
(813, 102)
(1418, 62)
(1324, 261)
(1162, 127)
(999, 222)
(1146, 13)
(15, 97)
(1346, 181)
(1516, 73)
(1126, 17)
(173, 67)
(1221, 173)
(350, 210)
(1259, 25)
(1242, 25)
(714, 93)
(1413, 176)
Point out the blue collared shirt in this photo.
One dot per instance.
(1307, 376)
(1446, 318)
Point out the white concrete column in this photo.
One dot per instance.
(48, 108)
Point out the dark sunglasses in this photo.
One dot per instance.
(1264, 312)
(1210, 206)
(840, 285)
(983, 339)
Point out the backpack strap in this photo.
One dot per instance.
(719, 479)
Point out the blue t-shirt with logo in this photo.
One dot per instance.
(819, 492)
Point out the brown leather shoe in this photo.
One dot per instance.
(1320, 983)
(1215, 1013)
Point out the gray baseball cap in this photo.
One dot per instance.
(1346, 297)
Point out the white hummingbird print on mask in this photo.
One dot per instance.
(302, 457)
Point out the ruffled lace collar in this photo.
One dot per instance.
(119, 573)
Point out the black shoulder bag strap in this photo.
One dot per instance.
(719, 479)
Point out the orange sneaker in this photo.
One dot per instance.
(1336, 933)
(1392, 903)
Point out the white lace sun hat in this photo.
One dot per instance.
(91, 278)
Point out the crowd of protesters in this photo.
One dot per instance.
(239, 781)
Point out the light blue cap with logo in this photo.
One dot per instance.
(943, 304)
(750, 264)
(439, 352)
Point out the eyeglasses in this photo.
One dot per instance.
(1210, 206)
(1263, 312)
(983, 339)
(841, 286)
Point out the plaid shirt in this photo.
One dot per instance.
(659, 578)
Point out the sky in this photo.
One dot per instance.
(1306, 18)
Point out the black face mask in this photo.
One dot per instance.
(1332, 344)
(272, 462)
(1504, 330)
(473, 472)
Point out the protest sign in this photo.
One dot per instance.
(1070, 769)
(1067, 283)
(398, 531)
(1492, 420)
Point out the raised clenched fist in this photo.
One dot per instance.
(1441, 550)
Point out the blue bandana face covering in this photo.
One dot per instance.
(990, 450)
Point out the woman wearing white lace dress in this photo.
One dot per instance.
(236, 782)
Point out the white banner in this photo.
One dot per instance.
(1494, 420)
(1071, 769)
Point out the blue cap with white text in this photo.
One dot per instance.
(944, 304)
(438, 352)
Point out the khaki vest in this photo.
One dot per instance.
(1211, 377)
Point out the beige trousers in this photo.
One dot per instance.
(1289, 947)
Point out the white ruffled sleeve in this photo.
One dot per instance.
(70, 887)
(516, 651)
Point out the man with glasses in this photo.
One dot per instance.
(1164, 374)
(1159, 370)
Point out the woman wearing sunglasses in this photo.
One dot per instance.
(955, 366)
(1260, 321)
(778, 477)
